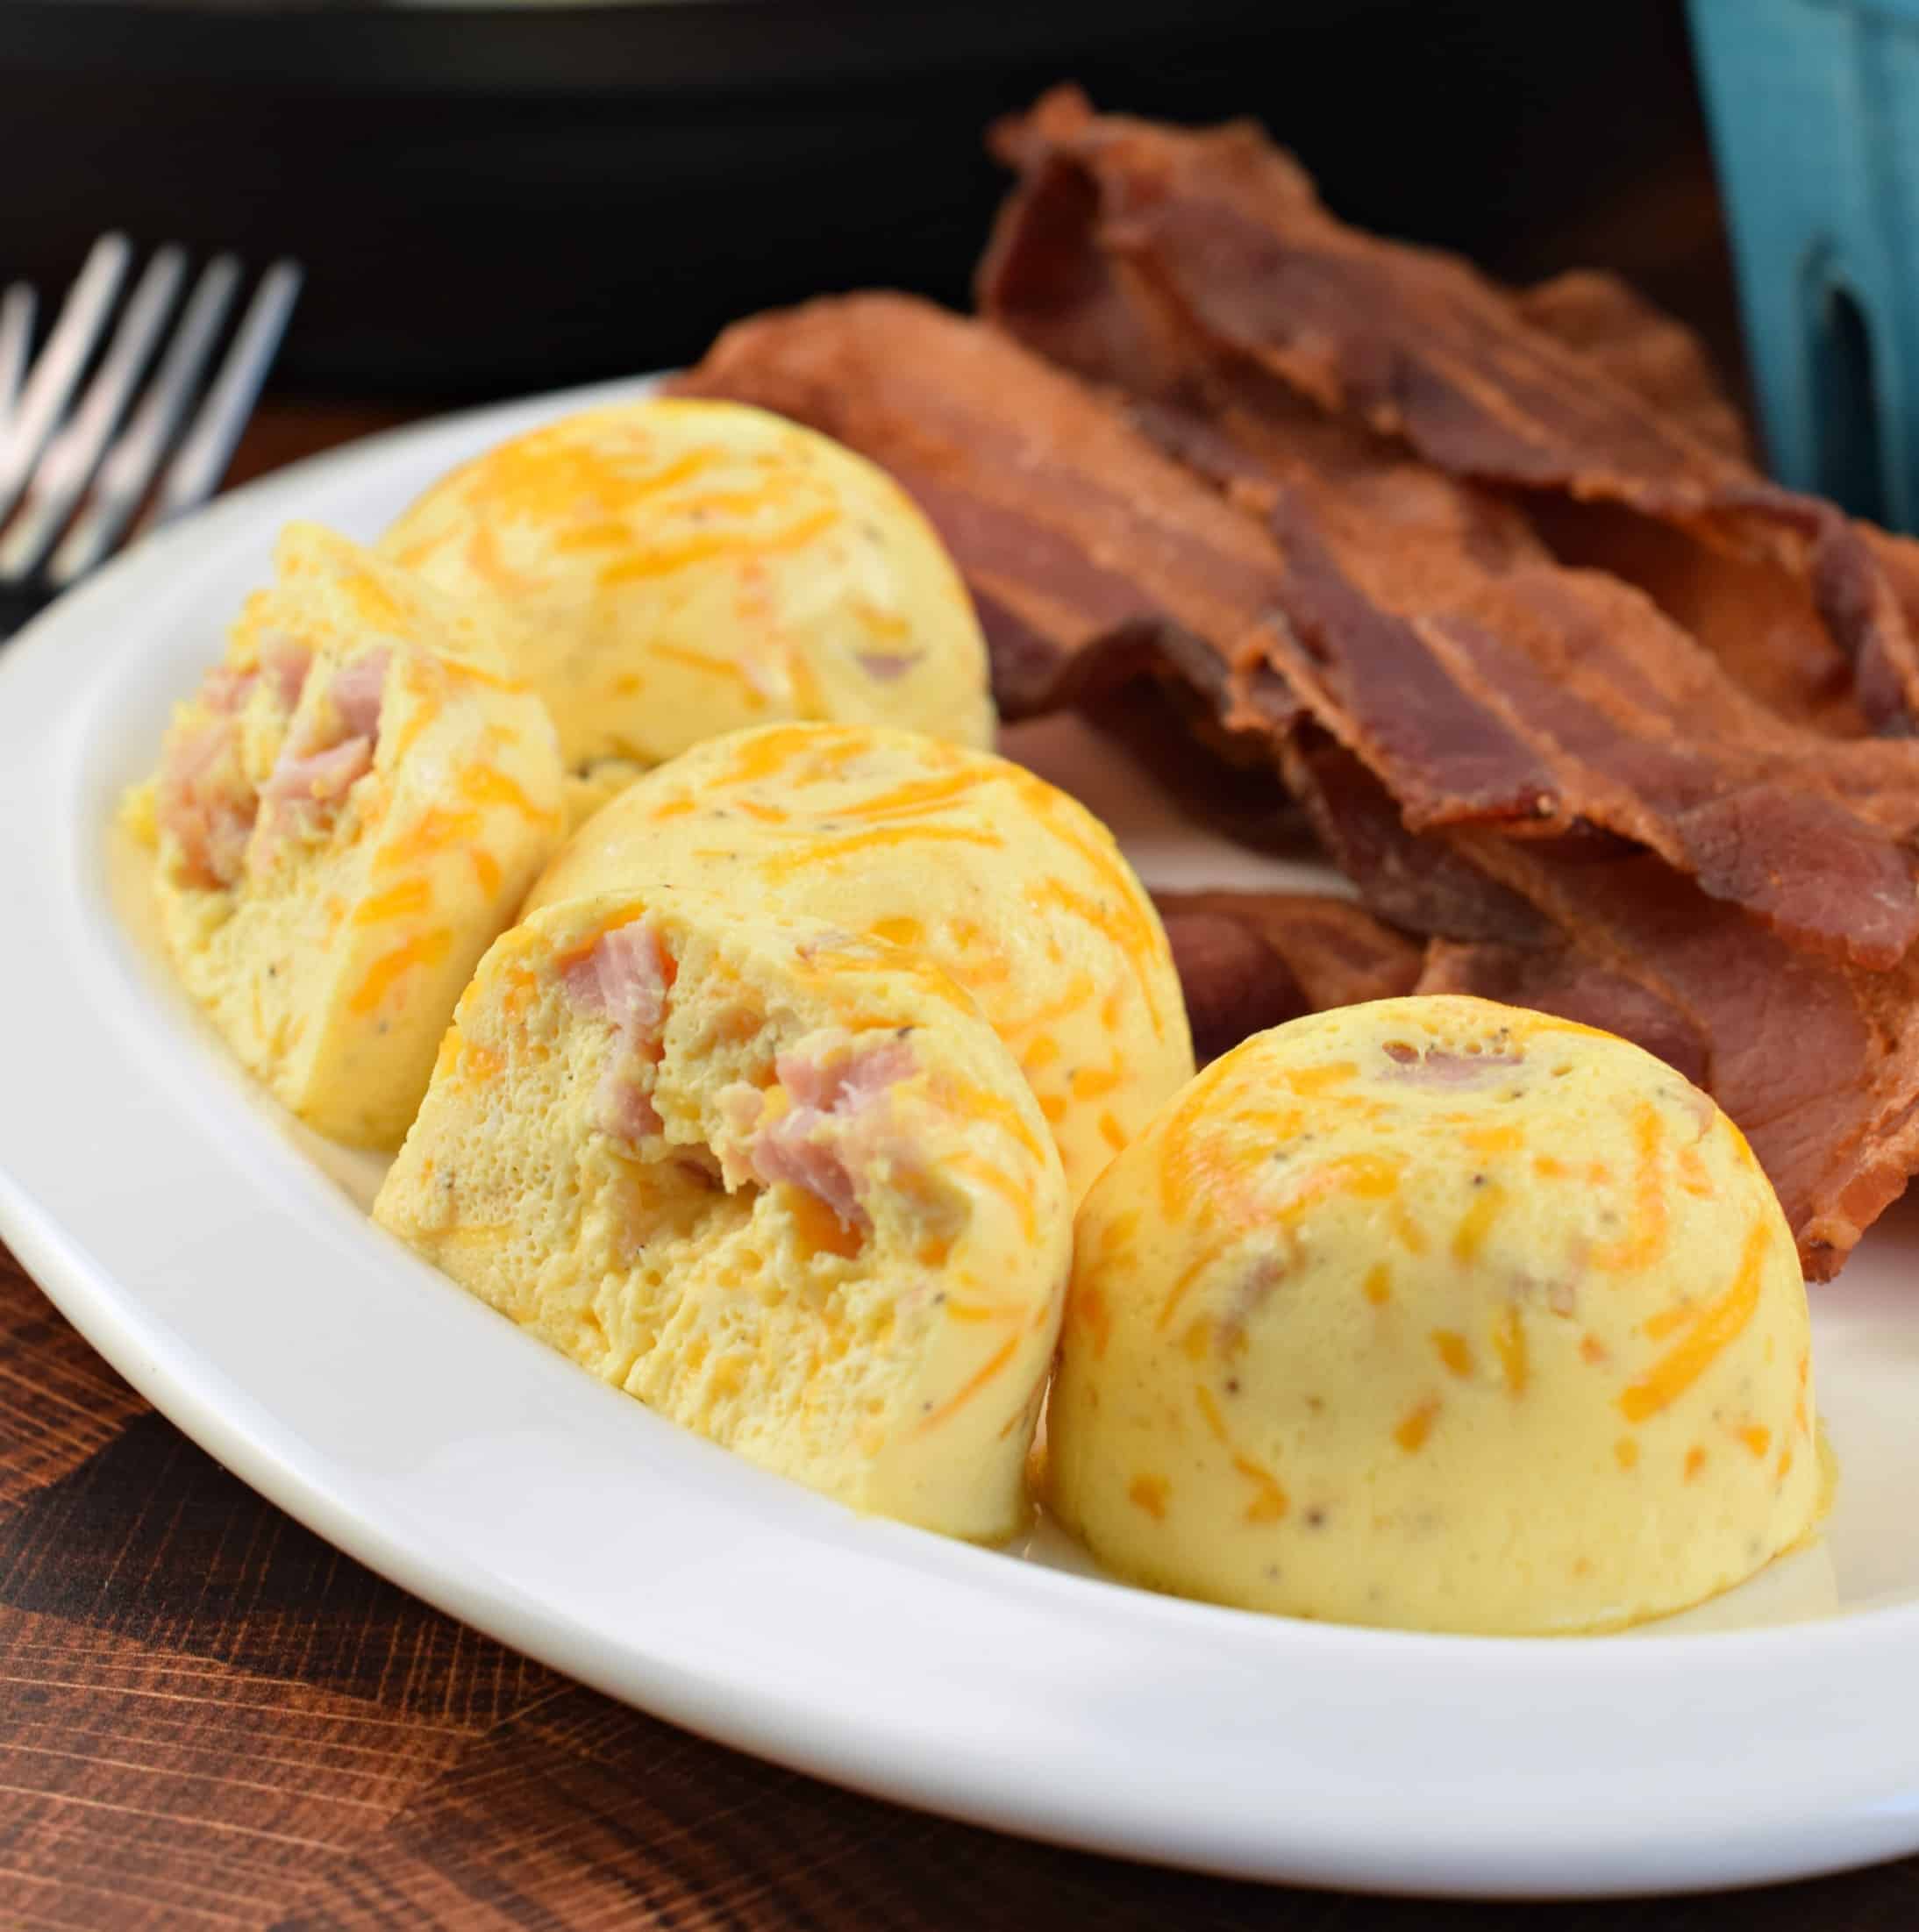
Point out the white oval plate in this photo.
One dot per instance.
(170, 1212)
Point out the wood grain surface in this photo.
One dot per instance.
(208, 1717)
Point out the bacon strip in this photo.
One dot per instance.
(1644, 350)
(1431, 633)
(1420, 348)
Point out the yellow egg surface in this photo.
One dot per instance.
(779, 1181)
(682, 568)
(1012, 888)
(1437, 1314)
(347, 813)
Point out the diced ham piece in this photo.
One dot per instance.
(325, 758)
(837, 1096)
(204, 801)
(886, 665)
(1702, 1107)
(320, 778)
(624, 980)
(225, 690)
(786, 1151)
(624, 1109)
(833, 1083)
(1436, 1068)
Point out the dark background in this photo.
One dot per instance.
(496, 200)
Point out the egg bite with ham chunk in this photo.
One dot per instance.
(681, 569)
(347, 813)
(1013, 888)
(780, 1181)
(1438, 1314)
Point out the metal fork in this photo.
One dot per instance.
(74, 480)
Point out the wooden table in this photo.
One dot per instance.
(208, 1717)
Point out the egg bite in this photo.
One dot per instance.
(780, 1181)
(1014, 889)
(1437, 1314)
(682, 568)
(347, 813)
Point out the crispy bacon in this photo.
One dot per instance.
(1642, 349)
(1420, 348)
(1420, 884)
(1429, 633)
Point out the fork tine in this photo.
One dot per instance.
(134, 460)
(67, 464)
(16, 338)
(195, 472)
(58, 368)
